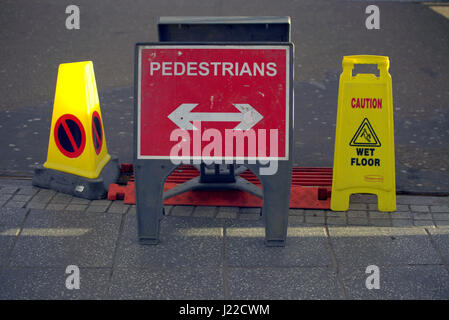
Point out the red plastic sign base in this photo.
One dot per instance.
(311, 188)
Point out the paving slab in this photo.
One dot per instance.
(56, 206)
(421, 216)
(7, 238)
(402, 207)
(364, 199)
(10, 221)
(205, 211)
(440, 236)
(306, 246)
(14, 204)
(357, 221)
(283, 283)
(315, 216)
(296, 212)
(402, 223)
(424, 223)
(35, 204)
(80, 201)
(380, 222)
(440, 209)
(21, 198)
(177, 283)
(398, 282)
(76, 207)
(118, 207)
(188, 242)
(49, 283)
(9, 190)
(298, 220)
(358, 206)
(402, 215)
(338, 219)
(227, 213)
(420, 200)
(182, 211)
(373, 215)
(442, 223)
(61, 238)
(382, 246)
(221, 257)
(12, 216)
(5, 197)
(440, 216)
(61, 198)
(250, 213)
(357, 214)
(97, 208)
(418, 208)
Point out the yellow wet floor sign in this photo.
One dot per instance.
(77, 143)
(364, 139)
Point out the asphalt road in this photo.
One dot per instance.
(34, 41)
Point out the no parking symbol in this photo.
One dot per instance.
(70, 137)
(97, 130)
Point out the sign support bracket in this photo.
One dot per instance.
(150, 196)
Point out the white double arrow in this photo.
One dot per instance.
(247, 117)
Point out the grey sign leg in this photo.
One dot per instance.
(149, 187)
(276, 202)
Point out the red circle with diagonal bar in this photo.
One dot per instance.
(97, 132)
(69, 135)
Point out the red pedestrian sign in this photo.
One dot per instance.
(213, 101)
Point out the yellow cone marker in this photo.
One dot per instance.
(364, 139)
(77, 142)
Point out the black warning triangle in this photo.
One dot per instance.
(365, 136)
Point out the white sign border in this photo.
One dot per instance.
(233, 46)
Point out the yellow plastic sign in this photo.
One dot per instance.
(364, 139)
(77, 142)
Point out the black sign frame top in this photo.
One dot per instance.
(150, 174)
(229, 29)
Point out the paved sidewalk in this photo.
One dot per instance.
(218, 252)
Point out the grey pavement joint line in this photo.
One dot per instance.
(423, 223)
(115, 254)
(109, 205)
(372, 214)
(12, 197)
(217, 209)
(434, 220)
(49, 200)
(35, 195)
(437, 249)
(8, 255)
(5, 201)
(165, 213)
(225, 267)
(335, 263)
